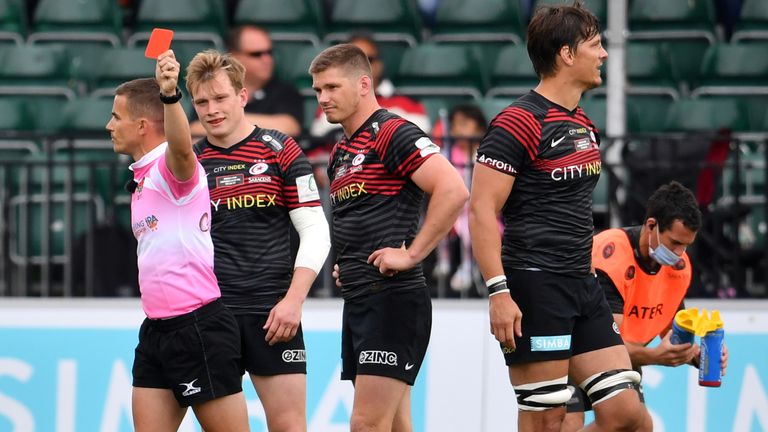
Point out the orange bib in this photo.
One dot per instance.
(650, 301)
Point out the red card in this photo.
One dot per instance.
(159, 42)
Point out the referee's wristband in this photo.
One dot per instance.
(497, 285)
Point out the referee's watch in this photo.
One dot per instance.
(169, 100)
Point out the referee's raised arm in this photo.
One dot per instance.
(179, 156)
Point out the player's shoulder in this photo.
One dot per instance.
(200, 146)
(385, 119)
(274, 139)
(530, 106)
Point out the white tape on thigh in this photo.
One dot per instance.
(543, 395)
(605, 385)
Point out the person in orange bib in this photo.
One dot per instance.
(645, 274)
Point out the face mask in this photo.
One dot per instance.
(662, 254)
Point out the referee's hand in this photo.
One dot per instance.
(506, 319)
(167, 73)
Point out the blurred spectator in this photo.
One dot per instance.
(326, 134)
(272, 104)
(453, 257)
(728, 13)
(467, 126)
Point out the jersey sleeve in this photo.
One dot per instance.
(403, 147)
(512, 141)
(178, 189)
(612, 294)
(299, 186)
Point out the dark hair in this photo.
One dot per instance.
(553, 27)
(362, 35)
(671, 202)
(233, 37)
(346, 56)
(142, 97)
(470, 111)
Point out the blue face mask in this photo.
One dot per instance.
(662, 254)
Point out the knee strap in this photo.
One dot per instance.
(543, 395)
(605, 385)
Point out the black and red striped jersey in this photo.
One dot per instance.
(374, 202)
(554, 155)
(254, 184)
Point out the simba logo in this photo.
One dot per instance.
(497, 164)
(294, 356)
(190, 388)
(378, 357)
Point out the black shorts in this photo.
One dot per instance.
(562, 316)
(580, 402)
(386, 334)
(196, 355)
(259, 358)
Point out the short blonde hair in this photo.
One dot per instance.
(205, 65)
(346, 56)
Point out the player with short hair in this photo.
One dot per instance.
(538, 165)
(379, 171)
(645, 273)
(261, 183)
(189, 349)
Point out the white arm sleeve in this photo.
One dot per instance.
(314, 237)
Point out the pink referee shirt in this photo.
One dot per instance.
(171, 222)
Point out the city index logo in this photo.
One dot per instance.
(246, 201)
(353, 190)
(571, 172)
(379, 357)
(645, 312)
(237, 167)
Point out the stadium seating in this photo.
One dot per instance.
(89, 114)
(286, 20)
(597, 7)
(647, 113)
(120, 65)
(478, 20)
(395, 20)
(734, 69)
(686, 27)
(597, 111)
(753, 23)
(13, 22)
(434, 69)
(674, 17)
(15, 116)
(36, 221)
(493, 106)
(87, 20)
(512, 73)
(295, 71)
(42, 76)
(438, 105)
(35, 66)
(706, 115)
(193, 21)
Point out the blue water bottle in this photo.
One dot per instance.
(683, 326)
(711, 350)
